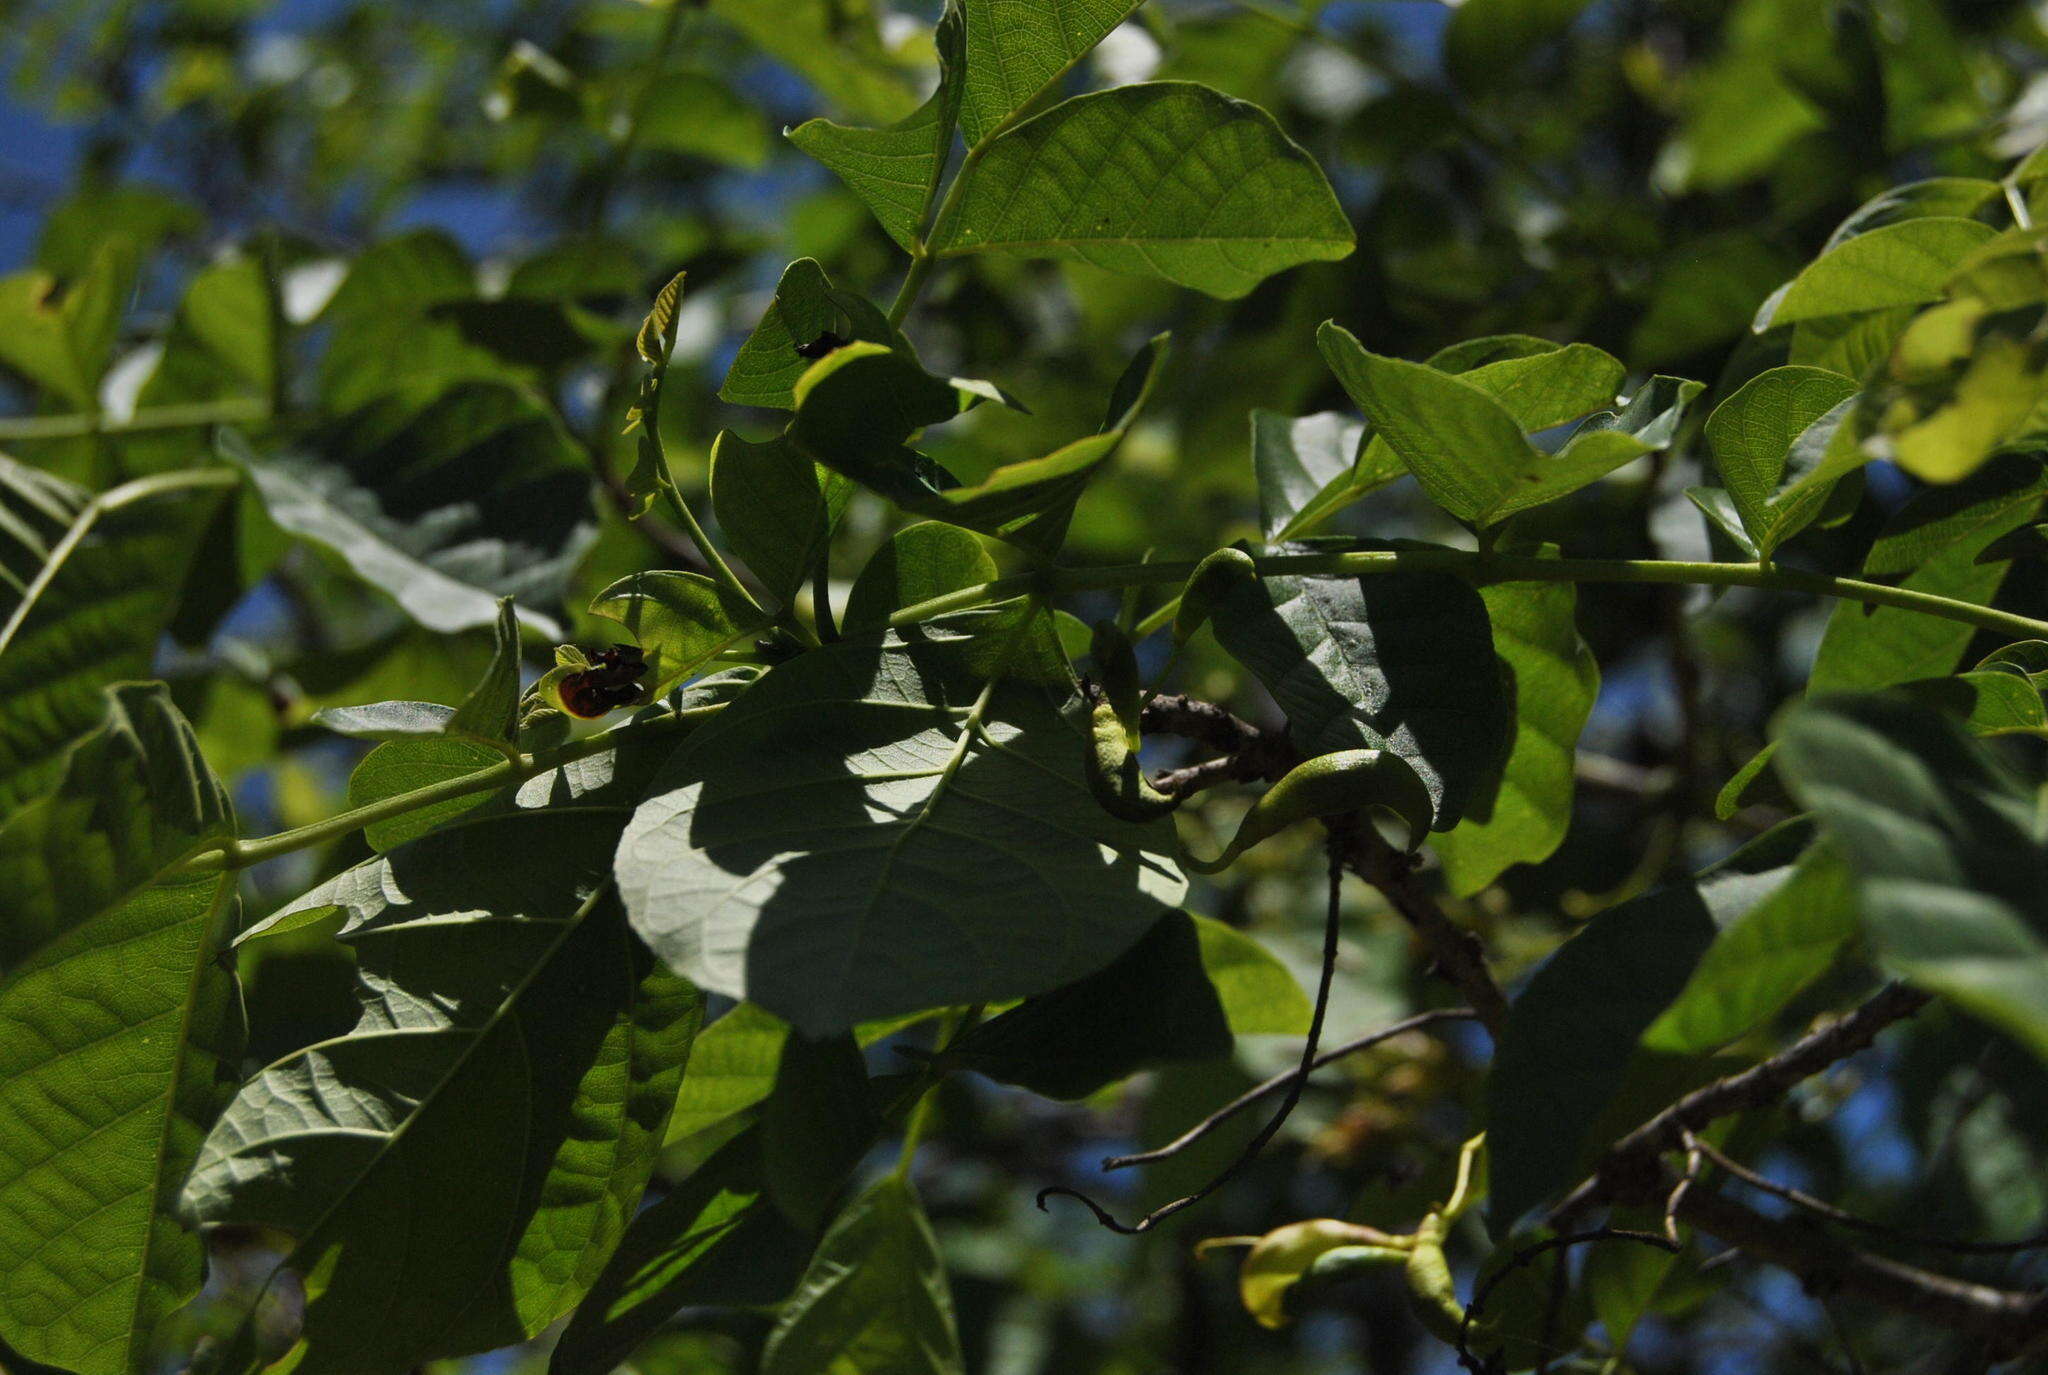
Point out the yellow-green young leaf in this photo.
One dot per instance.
(658, 331)
(895, 170)
(1152, 1005)
(1576, 1027)
(1947, 846)
(713, 1240)
(1936, 543)
(806, 320)
(1903, 264)
(1167, 179)
(456, 1169)
(680, 620)
(853, 838)
(119, 1037)
(1016, 51)
(1554, 679)
(1260, 995)
(921, 561)
(88, 586)
(1775, 443)
(1963, 380)
(874, 1298)
(775, 507)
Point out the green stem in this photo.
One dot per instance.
(1493, 567)
(517, 768)
(239, 410)
(913, 283)
(951, 1024)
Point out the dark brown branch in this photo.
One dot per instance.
(1458, 954)
(1634, 1159)
(1282, 1080)
(1824, 1209)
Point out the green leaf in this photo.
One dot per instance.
(1773, 442)
(1986, 703)
(1950, 197)
(1031, 503)
(732, 1068)
(1575, 1028)
(1936, 543)
(817, 1124)
(119, 1037)
(679, 619)
(485, 714)
(478, 496)
(1554, 679)
(1487, 40)
(1903, 264)
(852, 838)
(713, 1240)
(856, 407)
(1948, 849)
(1468, 449)
(1260, 995)
(1152, 1004)
(775, 507)
(88, 586)
(895, 171)
(457, 1168)
(921, 561)
(401, 766)
(806, 306)
(1015, 52)
(874, 1297)
(59, 336)
(1395, 661)
(1166, 179)
(1303, 467)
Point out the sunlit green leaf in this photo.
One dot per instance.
(1015, 51)
(921, 561)
(1774, 443)
(1903, 264)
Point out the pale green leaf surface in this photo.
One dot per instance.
(1260, 995)
(679, 619)
(119, 1037)
(1015, 49)
(921, 561)
(1753, 435)
(1902, 264)
(851, 839)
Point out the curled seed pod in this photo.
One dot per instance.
(1111, 767)
(1329, 785)
(1116, 665)
(1209, 583)
(1432, 1291)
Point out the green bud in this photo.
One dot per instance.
(1211, 581)
(1330, 785)
(1113, 774)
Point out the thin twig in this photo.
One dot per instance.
(1284, 1078)
(1822, 1208)
(1332, 909)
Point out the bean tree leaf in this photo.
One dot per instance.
(1963, 198)
(805, 308)
(895, 170)
(921, 561)
(446, 509)
(1031, 503)
(119, 1036)
(1553, 678)
(855, 410)
(1302, 466)
(88, 585)
(1015, 52)
(1936, 543)
(775, 506)
(1903, 264)
(852, 838)
(1771, 441)
(1398, 661)
(1469, 450)
(679, 619)
(1166, 179)
(874, 1297)
(1259, 993)
(457, 1168)
(817, 1124)
(1575, 1029)
(1948, 848)
(1152, 1004)
(712, 1240)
